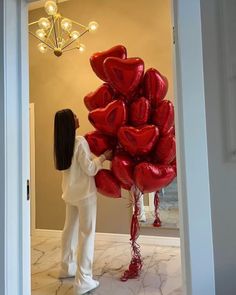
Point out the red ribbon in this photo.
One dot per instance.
(136, 263)
(157, 221)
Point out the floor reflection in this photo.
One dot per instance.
(168, 208)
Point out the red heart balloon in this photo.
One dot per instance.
(110, 118)
(139, 112)
(152, 165)
(151, 178)
(165, 150)
(124, 75)
(119, 150)
(97, 59)
(171, 131)
(155, 86)
(163, 116)
(123, 167)
(107, 184)
(138, 141)
(99, 142)
(100, 98)
(174, 165)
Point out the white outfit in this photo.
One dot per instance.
(78, 181)
(142, 214)
(79, 193)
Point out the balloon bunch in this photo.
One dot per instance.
(132, 118)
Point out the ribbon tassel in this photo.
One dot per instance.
(136, 262)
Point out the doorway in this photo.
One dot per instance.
(53, 86)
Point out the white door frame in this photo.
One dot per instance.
(192, 155)
(32, 169)
(193, 178)
(14, 149)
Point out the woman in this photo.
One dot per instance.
(73, 157)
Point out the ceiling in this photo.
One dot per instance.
(38, 4)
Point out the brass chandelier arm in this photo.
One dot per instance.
(33, 23)
(55, 32)
(67, 45)
(36, 22)
(75, 39)
(49, 40)
(41, 40)
(59, 29)
(64, 34)
(84, 32)
(78, 24)
(74, 22)
(48, 37)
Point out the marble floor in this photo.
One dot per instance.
(161, 273)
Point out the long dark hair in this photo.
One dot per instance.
(64, 138)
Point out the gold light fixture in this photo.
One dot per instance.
(58, 33)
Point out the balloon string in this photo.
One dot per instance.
(157, 221)
(136, 263)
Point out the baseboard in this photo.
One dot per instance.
(149, 240)
(117, 238)
(48, 233)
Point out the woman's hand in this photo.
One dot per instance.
(108, 154)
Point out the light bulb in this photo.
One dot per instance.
(44, 23)
(41, 34)
(42, 48)
(74, 35)
(66, 24)
(61, 43)
(92, 26)
(50, 7)
(81, 47)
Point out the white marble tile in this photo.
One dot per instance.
(115, 260)
(160, 274)
(163, 275)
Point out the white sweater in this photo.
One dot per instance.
(78, 181)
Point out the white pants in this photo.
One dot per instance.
(142, 214)
(78, 239)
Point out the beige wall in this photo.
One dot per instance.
(144, 27)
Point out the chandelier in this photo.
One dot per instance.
(58, 33)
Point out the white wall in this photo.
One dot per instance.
(222, 168)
